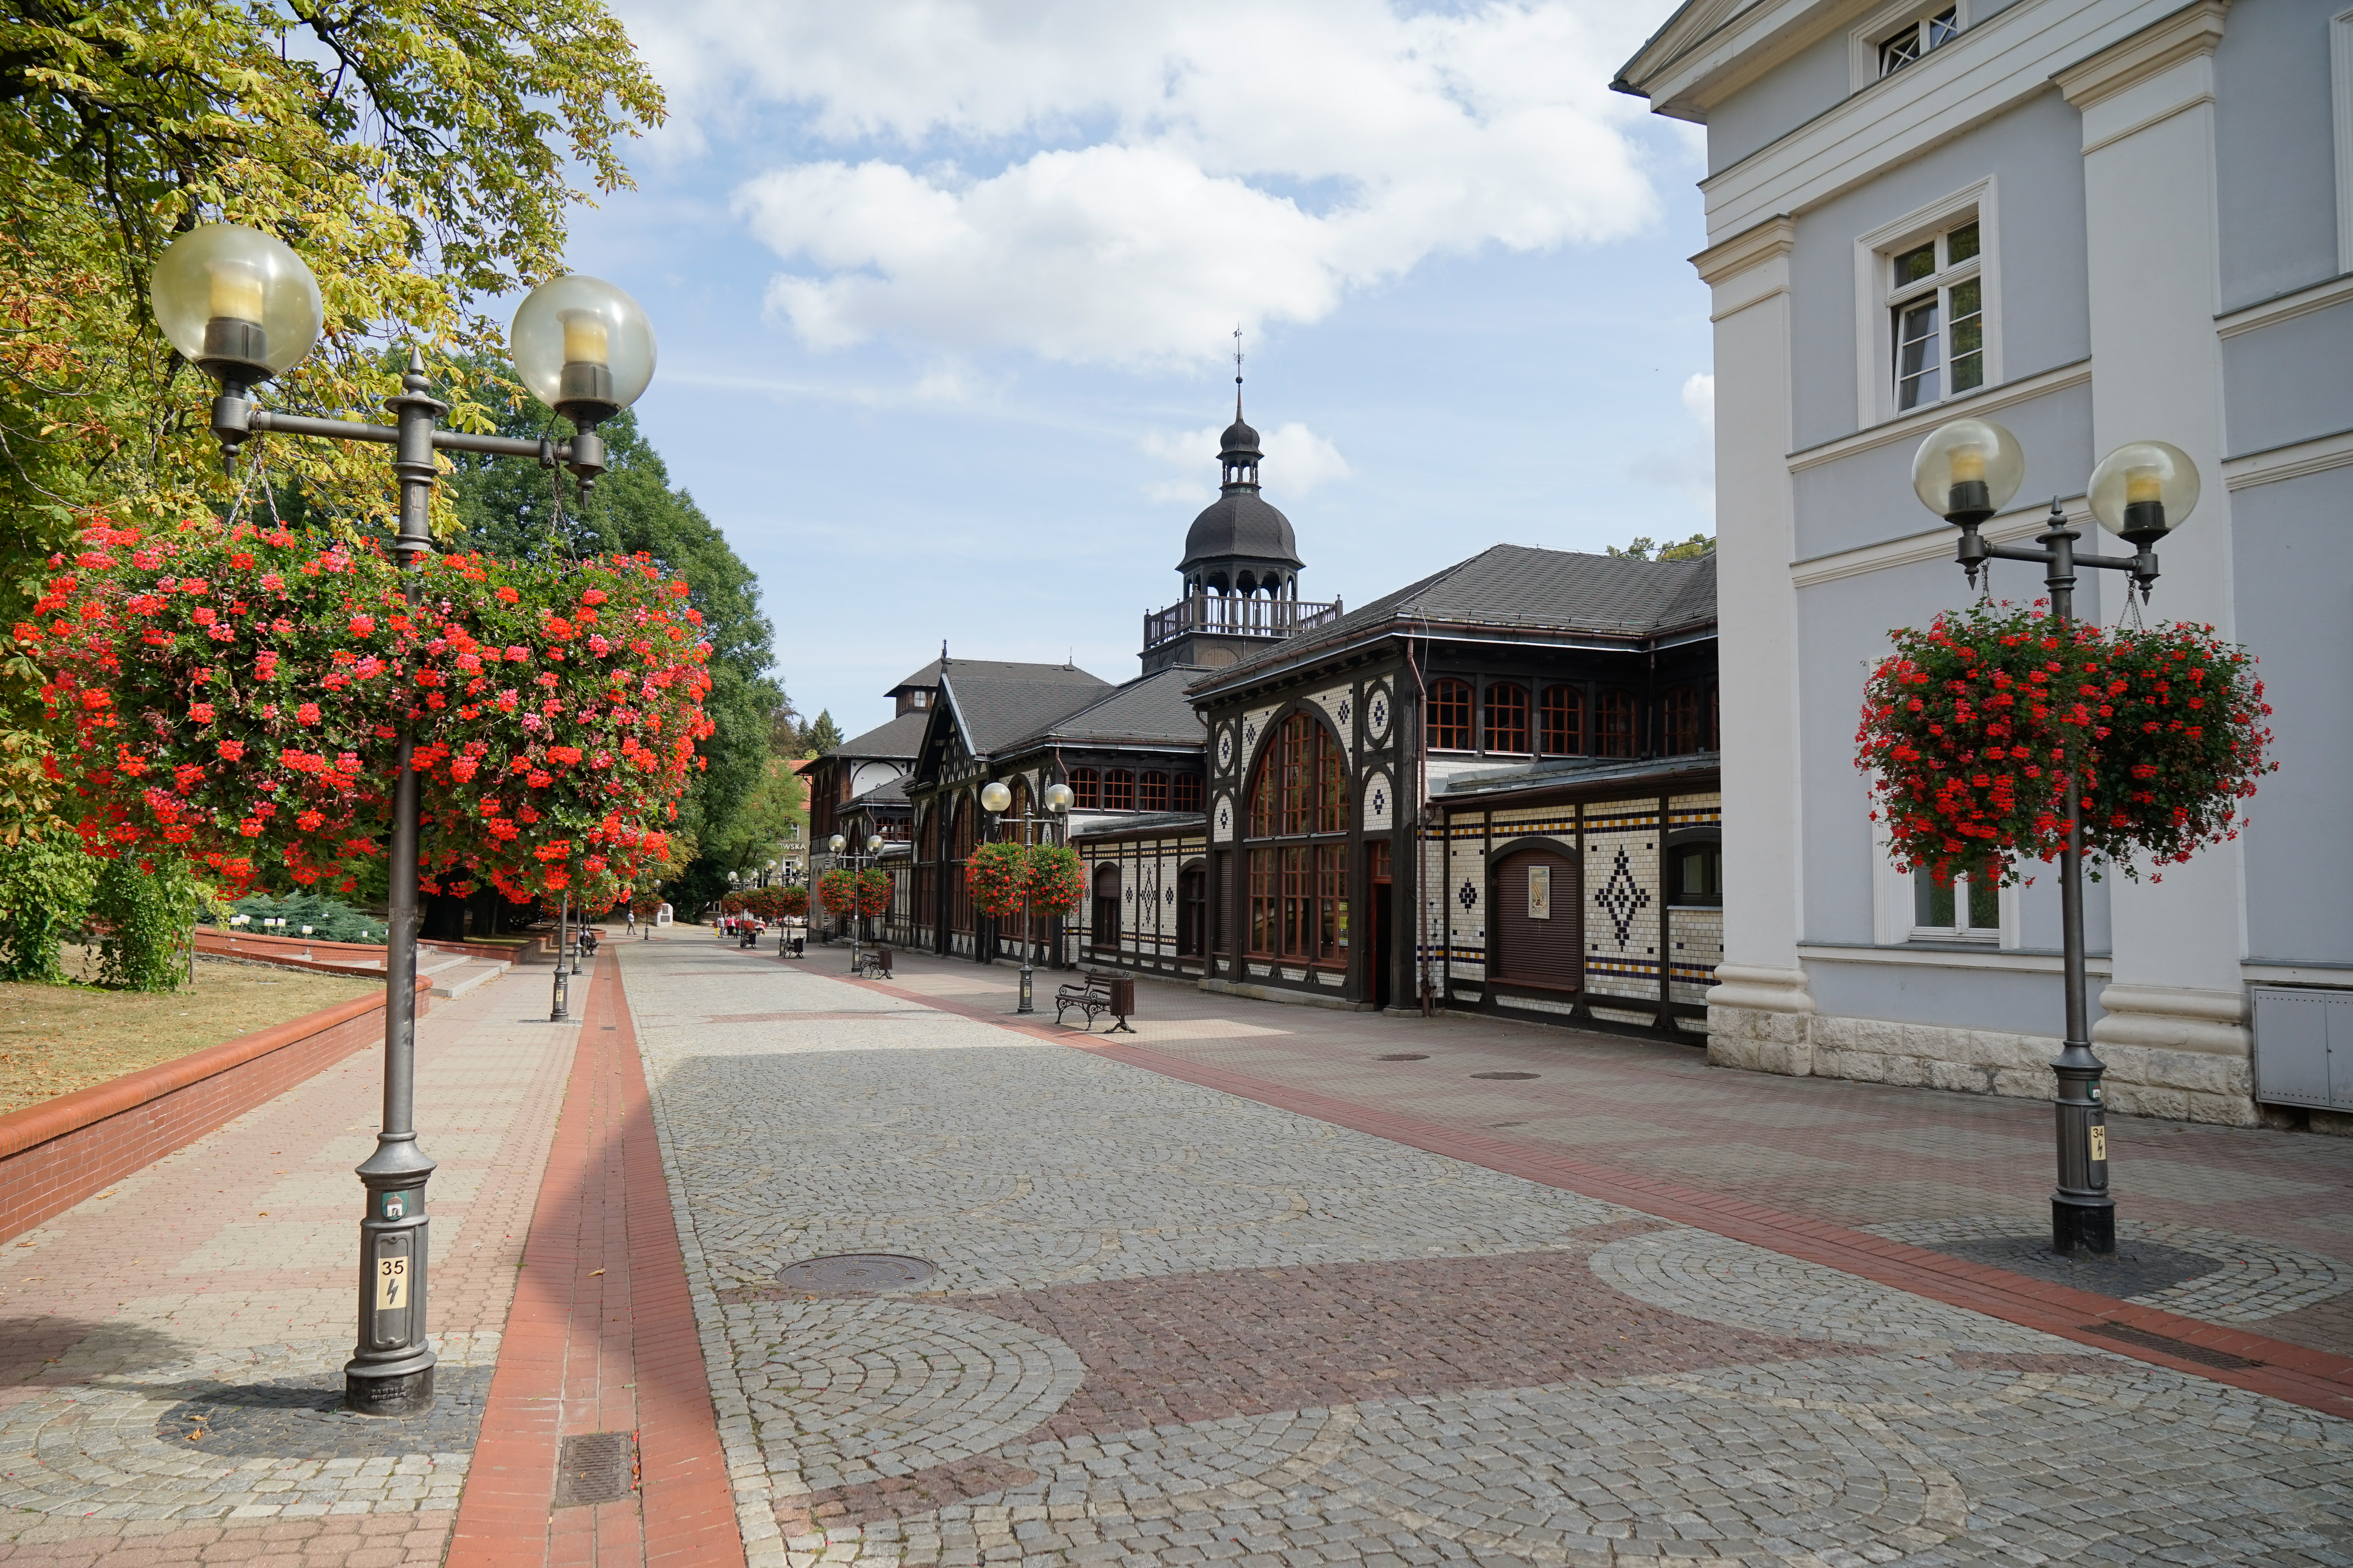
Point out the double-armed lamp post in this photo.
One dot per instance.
(243, 309)
(838, 844)
(1964, 472)
(994, 798)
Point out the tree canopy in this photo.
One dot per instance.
(419, 155)
(1696, 547)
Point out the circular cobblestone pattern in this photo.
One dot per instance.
(303, 1417)
(855, 1273)
(2213, 1275)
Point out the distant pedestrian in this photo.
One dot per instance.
(631, 917)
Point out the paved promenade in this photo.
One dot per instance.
(1108, 1314)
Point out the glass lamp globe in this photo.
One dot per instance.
(1968, 470)
(994, 796)
(584, 347)
(2143, 490)
(837, 843)
(235, 302)
(874, 844)
(1057, 797)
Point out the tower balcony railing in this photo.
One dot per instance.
(1234, 615)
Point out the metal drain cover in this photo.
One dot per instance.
(596, 1467)
(1405, 1057)
(855, 1273)
(1503, 1075)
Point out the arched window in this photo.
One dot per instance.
(1682, 723)
(1086, 790)
(1507, 716)
(1187, 793)
(1298, 887)
(1614, 731)
(1104, 932)
(1563, 731)
(1118, 790)
(1152, 792)
(965, 834)
(1192, 912)
(1450, 715)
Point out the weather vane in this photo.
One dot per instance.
(1238, 370)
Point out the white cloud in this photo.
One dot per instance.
(1699, 401)
(1122, 184)
(1297, 460)
(1689, 467)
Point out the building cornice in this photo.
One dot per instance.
(2285, 307)
(1931, 544)
(1767, 241)
(2293, 461)
(2194, 30)
(1976, 404)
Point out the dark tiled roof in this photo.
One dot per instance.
(993, 669)
(897, 739)
(1521, 588)
(994, 710)
(891, 793)
(1151, 708)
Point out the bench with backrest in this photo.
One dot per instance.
(1098, 993)
(875, 965)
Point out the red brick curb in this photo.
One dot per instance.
(56, 1153)
(2300, 1376)
(601, 1338)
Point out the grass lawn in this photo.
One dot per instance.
(55, 1039)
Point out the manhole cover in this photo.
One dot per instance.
(855, 1272)
(2137, 1268)
(596, 1467)
(1405, 1057)
(1503, 1075)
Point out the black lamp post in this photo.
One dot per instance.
(858, 863)
(1964, 472)
(243, 308)
(994, 798)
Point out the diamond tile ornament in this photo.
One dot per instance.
(1377, 715)
(1343, 713)
(1468, 897)
(1621, 898)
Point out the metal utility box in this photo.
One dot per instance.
(2303, 1047)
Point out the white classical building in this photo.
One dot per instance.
(2095, 221)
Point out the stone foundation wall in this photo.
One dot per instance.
(2190, 1086)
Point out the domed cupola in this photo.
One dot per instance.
(1239, 545)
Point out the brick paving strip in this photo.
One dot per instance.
(601, 1339)
(2316, 1379)
(211, 1293)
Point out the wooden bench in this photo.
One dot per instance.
(876, 963)
(1098, 993)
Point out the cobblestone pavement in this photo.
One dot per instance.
(1171, 1325)
(1968, 1175)
(171, 1350)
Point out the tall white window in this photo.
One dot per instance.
(1935, 303)
(1967, 909)
(1914, 40)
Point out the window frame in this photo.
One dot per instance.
(1878, 296)
(1185, 791)
(1489, 740)
(1152, 790)
(1297, 829)
(1867, 36)
(1086, 789)
(1678, 896)
(1965, 890)
(1575, 708)
(1119, 789)
(1606, 699)
(1448, 687)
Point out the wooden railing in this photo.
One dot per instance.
(1236, 616)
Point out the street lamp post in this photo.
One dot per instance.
(838, 844)
(243, 308)
(1964, 472)
(994, 798)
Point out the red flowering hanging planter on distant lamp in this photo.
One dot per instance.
(996, 876)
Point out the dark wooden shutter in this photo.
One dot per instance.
(1545, 953)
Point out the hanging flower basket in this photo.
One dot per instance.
(236, 695)
(1057, 881)
(838, 890)
(792, 903)
(1969, 729)
(996, 876)
(875, 889)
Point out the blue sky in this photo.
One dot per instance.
(945, 288)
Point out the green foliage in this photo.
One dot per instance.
(330, 920)
(46, 882)
(1697, 547)
(821, 737)
(508, 510)
(147, 911)
(774, 805)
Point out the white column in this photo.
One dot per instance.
(1758, 625)
(2147, 106)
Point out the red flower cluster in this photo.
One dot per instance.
(1005, 878)
(237, 694)
(838, 890)
(1971, 727)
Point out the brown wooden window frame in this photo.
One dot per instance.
(1681, 722)
(1152, 791)
(1086, 789)
(1451, 709)
(1297, 865)
(1507, 718)
(1185, 793)
(1119, 789)
(1618, 724)
(1561, 721)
